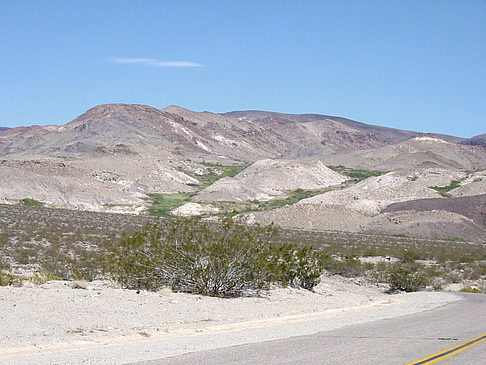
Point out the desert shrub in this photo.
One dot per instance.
(64, 265)
(475, 271)
(42, 277)
(466, 259)
(215, 260)
(347, 265)
(469, 289)
(296, 266)
(405, 278)
(6, 277)
(378, 273)
(410, 256)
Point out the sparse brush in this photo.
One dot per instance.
(224, 260)
(71, 244)
(42, 277)
(406, 278)
(7, 278)
(410, 255)
(347, 266)
(295, 266)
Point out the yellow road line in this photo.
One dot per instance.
(451, 351)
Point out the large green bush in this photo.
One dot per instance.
(295, 266)
(406, 278)
(210, 259)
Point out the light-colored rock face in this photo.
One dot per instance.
(419, 152)
(267, 179)
(98, 184)
(193, 209)
(474, 184)
(359, 208)
(375, 193)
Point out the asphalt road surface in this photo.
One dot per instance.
(410, 339)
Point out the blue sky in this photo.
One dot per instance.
(418, 65)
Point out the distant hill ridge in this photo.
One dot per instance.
(236, 136)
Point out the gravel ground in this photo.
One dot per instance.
(99, 324)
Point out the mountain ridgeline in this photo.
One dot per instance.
(298, 170)
(242, 136)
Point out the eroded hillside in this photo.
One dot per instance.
(302, 171)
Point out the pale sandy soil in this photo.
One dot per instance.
(55, 323)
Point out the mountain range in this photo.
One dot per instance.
(299, 170)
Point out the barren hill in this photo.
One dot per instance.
(476, 141)
(427, 224)
(473, 207)
(316, 134)
(416, 152)
(267, 179)
(238, 136)
(140, 128)
(395, 203)
(375, 193)
(100, 183)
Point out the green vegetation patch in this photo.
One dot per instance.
(469, 289)
(293, 197)
(355, 175)
(444, 190)
(218, 172)
(31, 202)
(230, 209)
(7, 279)
(227, 170)
(162, 204)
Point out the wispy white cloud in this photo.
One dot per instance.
(155, 63)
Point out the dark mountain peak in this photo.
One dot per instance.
(117, 114)
(479, 140)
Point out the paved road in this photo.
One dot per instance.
(391, 341)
